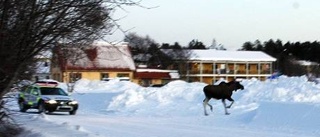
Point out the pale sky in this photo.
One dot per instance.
(230, 22)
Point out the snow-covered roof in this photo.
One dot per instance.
(108, 56)
(224, 55)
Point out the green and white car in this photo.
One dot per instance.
(46, 97)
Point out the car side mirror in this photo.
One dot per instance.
(35, 93)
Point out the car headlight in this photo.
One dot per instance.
(73, 103)
(52, 102)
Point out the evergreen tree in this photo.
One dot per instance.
(195, 44)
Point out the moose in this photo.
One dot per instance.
(222, 91)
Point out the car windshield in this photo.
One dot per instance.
(52, 91)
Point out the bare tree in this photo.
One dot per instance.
(30, 26)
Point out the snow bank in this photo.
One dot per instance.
(182, 98)
(283, 89)
(175, 97)
(112, 86)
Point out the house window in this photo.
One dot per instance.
(74, 77)
(104, 76)
(145, 82)
(123, 75)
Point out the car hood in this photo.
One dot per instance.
(56, 97)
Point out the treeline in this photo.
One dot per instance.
(288, 53)
(308, 51)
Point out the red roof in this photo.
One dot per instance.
(100, 56)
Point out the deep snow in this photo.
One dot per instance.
(283, 107)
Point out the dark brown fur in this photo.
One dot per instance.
(222, 91)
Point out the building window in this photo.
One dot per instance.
(104, 76)
(74, 77)
(231, 68)
(241, 68)
(123, 75)
(253, 68)
(220, 68)
(223, 69)
(145, 82)
(265, 68)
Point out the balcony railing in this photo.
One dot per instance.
(223, 71)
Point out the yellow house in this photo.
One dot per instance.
(211, 65)
(101, 61)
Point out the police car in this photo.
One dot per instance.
(47, 97)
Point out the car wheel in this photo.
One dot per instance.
(22, 106)
(73, 112)
(41, 108)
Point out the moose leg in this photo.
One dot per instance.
(205, 103)
(225, 107)
(231, 100)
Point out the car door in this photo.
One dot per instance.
(34, 94)
(26, 94)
